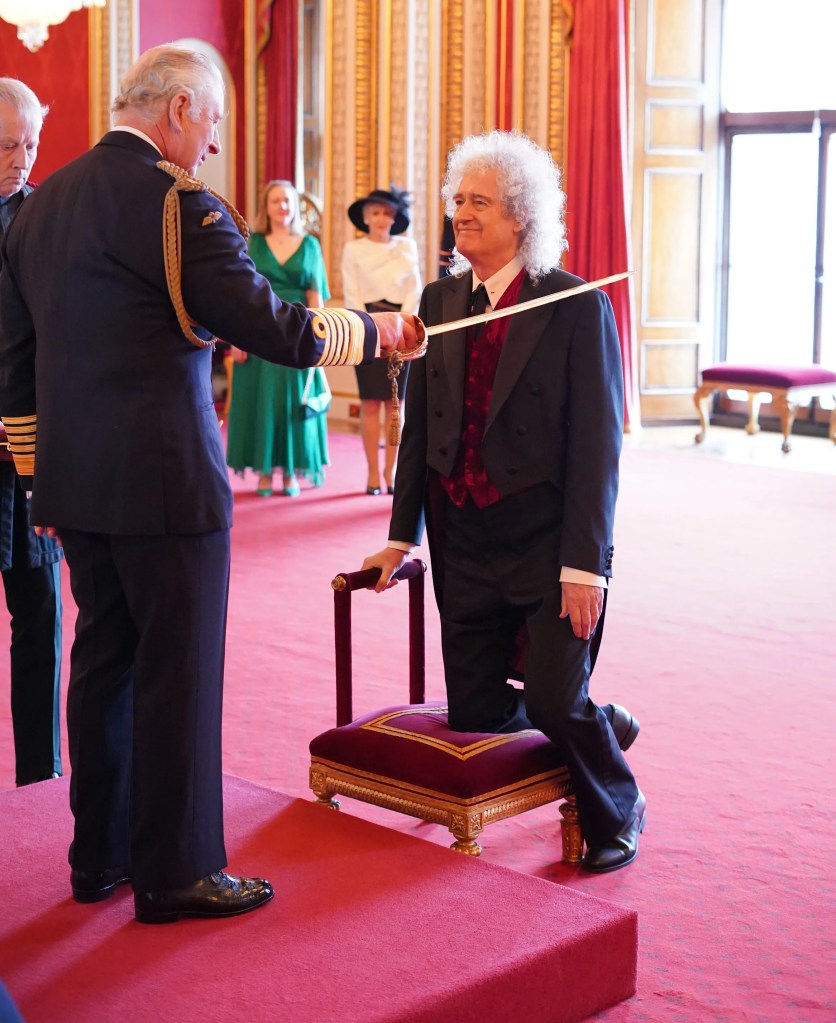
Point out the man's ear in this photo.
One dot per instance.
(178, 110)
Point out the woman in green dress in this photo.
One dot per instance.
(267, 430)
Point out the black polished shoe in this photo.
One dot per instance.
(622, 849)
(219, 894)
(97, 885)
(372, 491)
(625, 727)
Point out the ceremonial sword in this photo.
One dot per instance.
(521, 307)
(418, 352)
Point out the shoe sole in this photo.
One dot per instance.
(145, 916)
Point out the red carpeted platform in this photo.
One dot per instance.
(368, 926)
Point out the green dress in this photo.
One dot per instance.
(266, 430)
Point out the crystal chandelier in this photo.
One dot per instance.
(33, 17)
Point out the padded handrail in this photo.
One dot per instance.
(343, 586)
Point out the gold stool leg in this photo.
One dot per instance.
(786, 410)
(701, 401)
(753, 400)
(465, 828)
(570, 831)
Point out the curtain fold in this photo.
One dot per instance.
(279, 56)
(597, 168)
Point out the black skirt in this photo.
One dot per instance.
(372, 382)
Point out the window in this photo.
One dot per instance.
(779, 232)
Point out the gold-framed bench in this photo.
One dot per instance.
(790, 386)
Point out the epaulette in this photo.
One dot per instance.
(172, 241)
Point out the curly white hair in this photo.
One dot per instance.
(530, 189)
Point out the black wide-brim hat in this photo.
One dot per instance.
(397, 201)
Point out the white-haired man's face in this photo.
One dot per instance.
(18, 148)
(485, 234)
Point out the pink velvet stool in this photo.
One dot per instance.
(407, 758)
(790, 386)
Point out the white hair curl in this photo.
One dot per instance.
(530, 192)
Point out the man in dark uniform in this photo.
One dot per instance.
(29, 563)
(511, 451)
(107, 369)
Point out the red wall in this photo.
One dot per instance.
(58, 74)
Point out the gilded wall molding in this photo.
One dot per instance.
(113, 45)
(559, 43)
(261, 126)
(424, 182)
(337, 135)
(365, 95)
(476, 62)
(452, 73)
(398, 97)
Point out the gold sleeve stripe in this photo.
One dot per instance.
(344, 334)
(21, 432)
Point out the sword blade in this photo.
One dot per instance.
(521, 307)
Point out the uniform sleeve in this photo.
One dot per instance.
(17, 376)
(224, 293)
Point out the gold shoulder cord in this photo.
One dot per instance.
(172, 244)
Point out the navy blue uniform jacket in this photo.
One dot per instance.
(128, 440)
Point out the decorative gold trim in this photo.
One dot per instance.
(365, 88)
(98, 64)
(381, 724)
(261, 125)
(452, 71)
(560, 34)
(385, 83)
(464, 819)
(490, 57)
(250, 109)
(520, 71)
(329, 125)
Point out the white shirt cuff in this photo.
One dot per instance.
(576, 575)
(401, 545)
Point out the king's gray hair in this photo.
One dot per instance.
(530, 192)
(160, 74)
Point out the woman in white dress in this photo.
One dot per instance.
(380, 272)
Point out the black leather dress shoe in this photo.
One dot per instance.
(219, 894)
(625, 727)
(622, 849)
(96, 885)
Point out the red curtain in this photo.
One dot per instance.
(598, 229)
(278, 51)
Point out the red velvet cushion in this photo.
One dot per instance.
(414, 745)
(769, 376)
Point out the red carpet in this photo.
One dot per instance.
(368, 926)
(721, 637)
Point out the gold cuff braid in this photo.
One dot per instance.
(343, 334)
(172, 241)
(21, 432)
